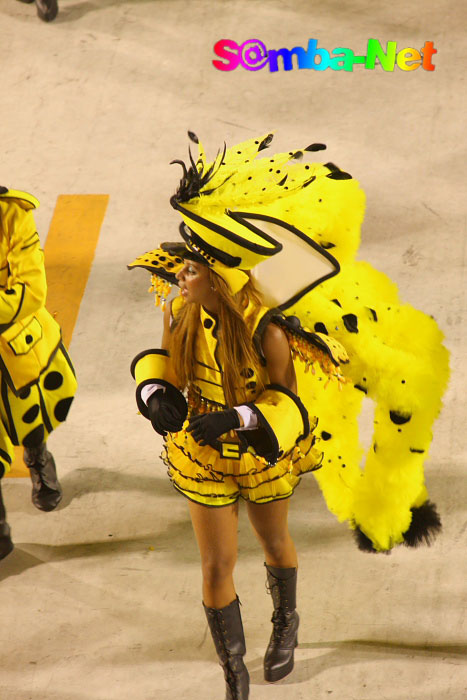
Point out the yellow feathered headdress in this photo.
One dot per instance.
(234, 213)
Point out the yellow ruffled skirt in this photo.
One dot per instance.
(203, 476)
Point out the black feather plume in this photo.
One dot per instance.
(339, 175)
(180, 162)
(195, 179)
(308, 182)
(364, 543)
(265, 142)
(316, 147)
(425, 525)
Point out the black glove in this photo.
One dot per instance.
(208, 427)
(164, 416)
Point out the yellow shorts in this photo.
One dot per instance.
(204, 476)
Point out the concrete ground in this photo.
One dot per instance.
(101, 599)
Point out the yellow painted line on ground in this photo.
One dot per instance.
(69, 251)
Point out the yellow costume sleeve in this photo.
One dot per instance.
(282, 422)
(24, 287)
(155, 367)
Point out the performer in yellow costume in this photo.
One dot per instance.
(241, 375)
(37, 378)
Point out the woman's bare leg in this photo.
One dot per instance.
(269, 522)
(216, 533)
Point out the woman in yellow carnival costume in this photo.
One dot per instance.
(37, 378)
(239, 378)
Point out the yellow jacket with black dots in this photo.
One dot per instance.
(282, 417)
(29, 336)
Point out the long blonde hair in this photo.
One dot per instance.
(236, 350)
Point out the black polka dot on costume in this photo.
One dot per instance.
(10, 291)
(62, 408)
(399, 418)
(24, 393)
(325, 435)
(31, 414)
(35, 437)
(350, 322)
(208, 323)
(29, 338)
(247, 372)
(53, 380)
(320, 328)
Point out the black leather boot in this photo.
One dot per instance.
(47, 10)
(279, 657)
(227, 633)
(6, 545)
(46, 490)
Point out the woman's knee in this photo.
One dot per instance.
(277, 545)
(217, 569)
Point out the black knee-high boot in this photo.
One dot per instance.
(46, 490)
(47, 10)
(279, 657)
(227, 633)
(6, 545)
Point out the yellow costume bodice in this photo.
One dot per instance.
(207, 382)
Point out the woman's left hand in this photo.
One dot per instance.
(208, 427)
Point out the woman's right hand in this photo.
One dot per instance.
(164, 416)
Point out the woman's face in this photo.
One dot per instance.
(194, 283)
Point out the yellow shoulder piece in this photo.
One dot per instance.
(336, 350)
(24, 199)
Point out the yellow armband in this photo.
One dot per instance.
(282, 422)
(155, 367)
